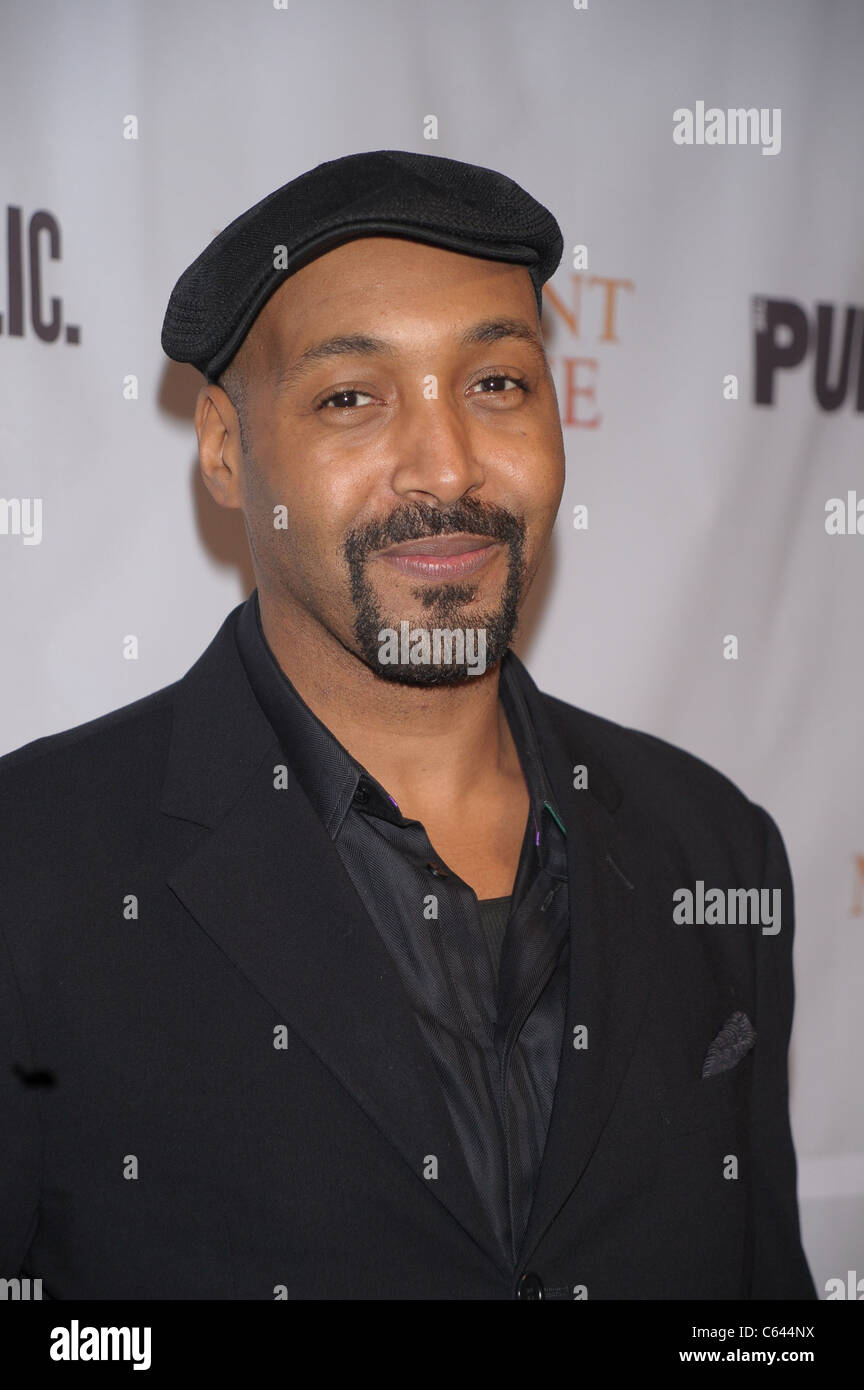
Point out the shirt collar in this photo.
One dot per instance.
(334, 781)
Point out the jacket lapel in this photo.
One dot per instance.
(268, 886)
(609, 971)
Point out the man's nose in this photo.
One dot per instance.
(435, 450)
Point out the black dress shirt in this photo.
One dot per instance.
(487, 981)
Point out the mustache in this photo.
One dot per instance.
(416, 521)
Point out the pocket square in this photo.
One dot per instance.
(736, 1037)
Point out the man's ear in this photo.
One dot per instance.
(220, 448)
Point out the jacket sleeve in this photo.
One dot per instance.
(19, 1127)
(779, 1268)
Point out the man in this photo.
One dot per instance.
(351, 966)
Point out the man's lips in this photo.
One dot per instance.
(439, 545)
(440, 556)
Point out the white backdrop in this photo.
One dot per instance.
(706, 514)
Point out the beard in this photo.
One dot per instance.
(444, 606)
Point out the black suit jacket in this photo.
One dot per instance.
(213, 1085)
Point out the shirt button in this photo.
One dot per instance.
(361, 796)
(530, 1285)
(436, 870)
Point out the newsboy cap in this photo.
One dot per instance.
(424, 197)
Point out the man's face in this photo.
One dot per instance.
(398, 392)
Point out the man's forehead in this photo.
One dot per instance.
(337, 301)
(284, 369)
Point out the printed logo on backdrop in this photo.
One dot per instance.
(827, 340)
(821, 352)
(30, 310)
(590, 311)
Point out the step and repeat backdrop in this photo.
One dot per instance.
(706, 334)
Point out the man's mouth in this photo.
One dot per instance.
(440, 556)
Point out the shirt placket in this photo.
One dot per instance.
(532, 945)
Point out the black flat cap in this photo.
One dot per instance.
(424, 197)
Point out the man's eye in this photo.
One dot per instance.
(497, 388)
(344, 399)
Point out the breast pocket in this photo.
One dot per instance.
(707, 1102)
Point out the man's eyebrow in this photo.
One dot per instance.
(493, 330)
(363, 345)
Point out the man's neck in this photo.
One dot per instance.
(428, 746)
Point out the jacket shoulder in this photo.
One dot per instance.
(657, 779)
(122, 743)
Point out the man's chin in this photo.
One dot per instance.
(428, 677)
(450, 642)
(433, 654)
